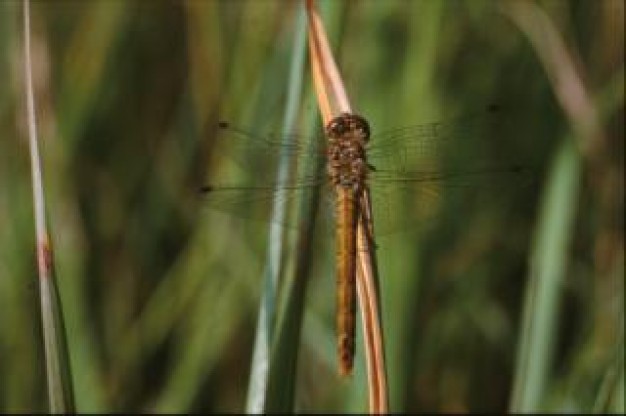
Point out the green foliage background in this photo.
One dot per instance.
(160, 293)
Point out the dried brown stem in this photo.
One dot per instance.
(332, 101)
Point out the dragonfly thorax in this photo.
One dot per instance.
(347, 163)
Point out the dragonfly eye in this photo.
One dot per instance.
(337, 127)
(362, 125)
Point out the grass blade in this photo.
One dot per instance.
(259, 397)
(559, 208)
(610, 390)
(58, 374)
(549, 259)
(284, 355)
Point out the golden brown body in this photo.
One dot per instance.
(347, 169)
(347, 216)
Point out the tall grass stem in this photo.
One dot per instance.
(58, 374)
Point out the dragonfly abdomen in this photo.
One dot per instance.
(347, 214)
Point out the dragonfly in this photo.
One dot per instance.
(357, 171)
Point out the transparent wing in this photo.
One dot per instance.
(416, 168)
(258, 202)
(260, 153)
(248, 188)
(406, 201)
(412, 167)
(396, 149)
(412, 200)
(422, 145)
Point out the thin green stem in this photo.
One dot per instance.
(58, 374)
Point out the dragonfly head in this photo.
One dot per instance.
(348, 124)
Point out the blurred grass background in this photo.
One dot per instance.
(160, 293)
